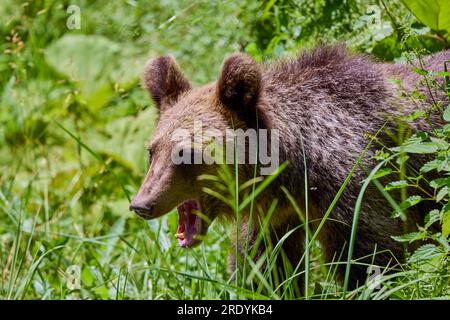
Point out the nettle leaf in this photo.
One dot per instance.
(442, 193)
(432, 217)
(417, 138)
(418, 114)
(401, 159)
(435, 14)
(411, 201)
(431, 165)
(440, 182)
(445, 221)
(410, 237)
(84, 59)
(446, 114)
(421, 148)
(446, 129)
(396, 185)
(426, 253)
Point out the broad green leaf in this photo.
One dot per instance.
(433, 13)
(410, 237)
(441, 74)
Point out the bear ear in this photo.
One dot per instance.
(164, 81)
(239, 84)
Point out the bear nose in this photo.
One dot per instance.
(142, 210)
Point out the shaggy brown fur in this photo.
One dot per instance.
(324, 103)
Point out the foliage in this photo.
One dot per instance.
(74, 124)
(385, 29)
(435, 14)
(430, 183)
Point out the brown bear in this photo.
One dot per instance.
(323, 104)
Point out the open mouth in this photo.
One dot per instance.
(189, 223)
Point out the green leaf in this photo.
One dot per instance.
(433, 13)
(85, 60)
(401, 159)
(443, 165)
(420, 71)
(446, 114)
(382, 172)
(411, 201)
(421, 148)
(432, 217)
(442, 193)
(440, 143)
(440, 182)
(410, 237)
(87, 277)
(426, 253)
(418, 114)
(446, 129)
(445, 222)
(381, 155)
(102, 291)
(429, 166)
(441, 74)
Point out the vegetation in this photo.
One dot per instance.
(74, 124)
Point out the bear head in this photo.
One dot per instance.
(229, 103)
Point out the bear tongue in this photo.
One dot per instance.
(189, 224)
(181, 220)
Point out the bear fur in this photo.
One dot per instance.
(325, 103)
